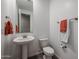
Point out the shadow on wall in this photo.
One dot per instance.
(73, 40)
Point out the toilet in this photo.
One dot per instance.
(47, 50)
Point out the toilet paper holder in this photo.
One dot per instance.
(63, 45)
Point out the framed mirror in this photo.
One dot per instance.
(25, 16)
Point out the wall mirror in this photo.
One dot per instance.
(25, 16)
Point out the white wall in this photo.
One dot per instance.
(41, 17)
(58, 9)
(8, 8)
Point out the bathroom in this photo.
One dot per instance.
(44, 22)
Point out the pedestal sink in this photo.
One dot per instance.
(23, 41)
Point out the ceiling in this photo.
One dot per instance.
(25, 4)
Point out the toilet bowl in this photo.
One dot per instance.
(47, 50)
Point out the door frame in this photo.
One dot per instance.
(21, 11)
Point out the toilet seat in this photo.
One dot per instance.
(48, 51)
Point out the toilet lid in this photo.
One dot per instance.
(48, 50)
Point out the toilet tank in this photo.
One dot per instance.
(44, 42)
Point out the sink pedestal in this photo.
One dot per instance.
(24, 43)
(24, 52)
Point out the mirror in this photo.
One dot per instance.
(25, 16)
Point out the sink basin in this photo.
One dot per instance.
(23, 40)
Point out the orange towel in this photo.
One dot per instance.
(17, 29)
(63, 25)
